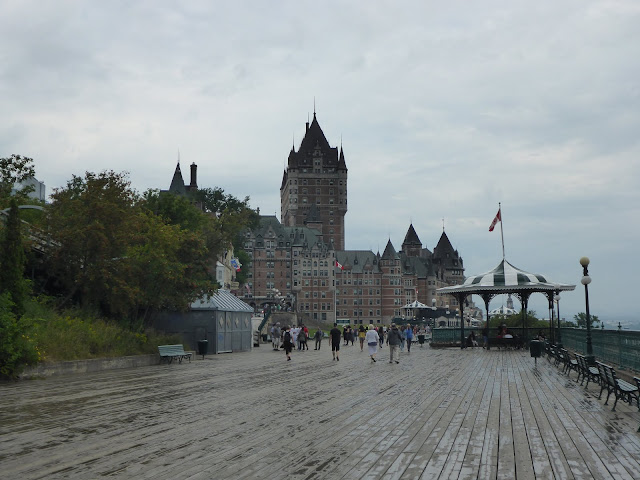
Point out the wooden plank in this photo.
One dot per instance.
(439, 414)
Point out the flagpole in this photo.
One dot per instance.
(501, 231)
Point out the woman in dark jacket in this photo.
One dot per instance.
(288, 342)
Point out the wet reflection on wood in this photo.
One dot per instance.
(438, 414)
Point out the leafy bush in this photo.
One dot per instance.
(17, 347)
(44, 335)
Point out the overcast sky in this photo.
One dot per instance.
(443, 109)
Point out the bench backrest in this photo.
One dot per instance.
(170, 350)
(582, 362)
(607, 373)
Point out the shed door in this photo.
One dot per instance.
(223, 343)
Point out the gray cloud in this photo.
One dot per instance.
(444, 110)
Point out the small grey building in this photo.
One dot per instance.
(222, 319)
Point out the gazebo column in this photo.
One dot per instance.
(524, 302)
(461, 297)
(559, 340)
(552, 332)
(487, 299)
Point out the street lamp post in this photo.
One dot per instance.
(557, 300)
(586, 280)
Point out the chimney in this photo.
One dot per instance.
(194, 176)
(307, 126)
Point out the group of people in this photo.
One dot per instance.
(290, 338)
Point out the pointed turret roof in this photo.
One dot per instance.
(389, 251)
(313, 137)
(177, 182)
(443, 247)
(313, 140)
(411, 238)
(342, 165)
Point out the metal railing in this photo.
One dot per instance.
(617, 347)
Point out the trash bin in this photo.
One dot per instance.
(203, 346)
(535, 348)
(420, 339)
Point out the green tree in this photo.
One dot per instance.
(13, 260)
(174, 209)
(113, 253)
(515, 321)
(220, 216)
(14, 169)
(233, 215)
(91, 222)
(581, 319)
(245, 260)
(166, 266)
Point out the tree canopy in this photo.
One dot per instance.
(15, 169)
(581, 319)
(112, 253)
(13, 259)
(130, 255)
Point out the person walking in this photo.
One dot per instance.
(403, 337)
(288, 342)
(275, 336)
(394, 338)
(334, 340)
(371, 337)
(294, 337)
(381, 335)
(302, 338)
(409, 336)
(361, 336)
(318, 338)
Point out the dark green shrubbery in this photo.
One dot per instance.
(41, 334)
(18, 347)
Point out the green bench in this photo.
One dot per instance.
(621, 389)
(586, 371)
(169, 352)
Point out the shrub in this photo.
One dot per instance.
(43, 334)
(18, 348)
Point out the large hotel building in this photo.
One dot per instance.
(299, 263)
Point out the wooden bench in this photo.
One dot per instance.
(586, 371)
(621, 389)
(169, 352)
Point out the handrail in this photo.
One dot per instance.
(264, 320)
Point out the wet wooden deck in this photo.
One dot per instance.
(438, 414)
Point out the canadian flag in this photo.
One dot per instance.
(495, 220)
(339, 265)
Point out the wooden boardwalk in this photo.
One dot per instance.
(447, 413)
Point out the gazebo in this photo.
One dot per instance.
(505, 278)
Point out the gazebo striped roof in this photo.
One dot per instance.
(506, 278)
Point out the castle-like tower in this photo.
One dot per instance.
(316, 176)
